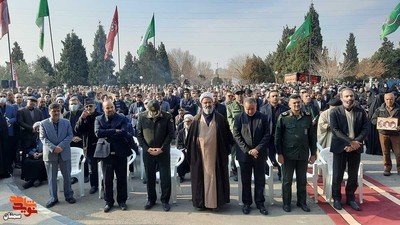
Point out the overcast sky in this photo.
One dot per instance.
(211, 30)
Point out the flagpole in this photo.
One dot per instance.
(52, 46)
(154, 32)
(119, 58)
(9, 53)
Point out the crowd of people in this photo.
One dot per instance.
(282, 122)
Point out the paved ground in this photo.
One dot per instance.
(89, 209)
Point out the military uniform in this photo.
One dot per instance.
(233, 109)
(295, 139)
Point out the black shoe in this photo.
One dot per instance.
(71, 200)
(123, 206)
(144, 181)
(337, 205)
(246, 209)
(287, 208)
(149, 205)
(353, 205)
(50, 204)
(86, 180)
(74, 180)
(107, 208)
(166, 207)
(93, 190)
(263, 210)
(215, 209)
(304, 207)
(200, 208)
(181, 179)
(37, 183)
(28, 184)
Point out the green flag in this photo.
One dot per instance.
(43, 11)
(302, 32)
(150, 32)
(392, 23)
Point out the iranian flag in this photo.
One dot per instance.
(43, 12)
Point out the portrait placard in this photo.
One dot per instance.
(387, 123)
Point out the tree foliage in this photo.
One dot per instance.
(17, 55)
(73, 66)
(129, 73)
(164, 69)
(390, 57)
(370, 68)
(351, 54)
(255, 70)
(45, 64)
(100, 70)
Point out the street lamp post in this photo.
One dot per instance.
(276, 77)
(182, 79)
(141, 78)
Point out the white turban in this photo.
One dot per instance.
(60, 98)
(206, 95)
(36, 125)
(188, 116)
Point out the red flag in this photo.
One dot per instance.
(111, 35)
(4, 17)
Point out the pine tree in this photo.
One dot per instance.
(255, 70)
(147, 65)
(391, 58)
(73, 66)
(351, 54)
(282, 58)
(17, 55)
(306, 52)
(45, 64)
(129, 73)
(163, 63)
(100, 70)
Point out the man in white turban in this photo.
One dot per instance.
(208, 145)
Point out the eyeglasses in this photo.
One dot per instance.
(89, 106)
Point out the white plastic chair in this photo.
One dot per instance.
(142, 174)
(327, 159)
(76, 170)
(313, 177)
(130, 160)
(177, 158)
(269, 180)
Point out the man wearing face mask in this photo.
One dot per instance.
(73, 116)
(155, 132)
(208, 146)
(349, 125)
(85, 128)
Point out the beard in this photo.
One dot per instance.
(208, 111)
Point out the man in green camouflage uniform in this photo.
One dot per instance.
(233, 109)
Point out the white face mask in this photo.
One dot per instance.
(3, 100)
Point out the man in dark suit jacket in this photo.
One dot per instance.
(350, 128)
(155, 132)
(56, 135)
(272, 110)
(111, 128)
(252, 133)
(85, 128)
(26, 117)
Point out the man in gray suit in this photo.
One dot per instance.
(56, 136)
